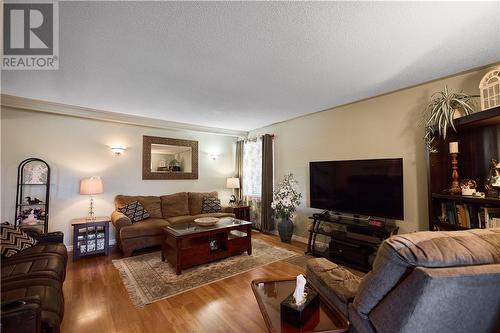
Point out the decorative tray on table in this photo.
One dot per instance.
(206, 221)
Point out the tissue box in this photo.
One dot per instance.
(298, 315)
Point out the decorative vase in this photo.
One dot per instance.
(285, 229)
(458, 113)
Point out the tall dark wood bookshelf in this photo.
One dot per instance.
(478, 137)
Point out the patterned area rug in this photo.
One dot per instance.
(148, 279)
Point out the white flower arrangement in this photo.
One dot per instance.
(286, 198)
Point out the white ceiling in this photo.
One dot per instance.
(243, 65)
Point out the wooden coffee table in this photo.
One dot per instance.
(186, 245)
(271, 292)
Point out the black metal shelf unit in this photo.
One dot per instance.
(33, 180)
(351, 243)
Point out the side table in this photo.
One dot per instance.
(269, 294)
(90, 237)
(241, 212)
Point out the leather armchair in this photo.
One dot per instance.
(22, 315)
(420, 282)
(49, 237)
(31, 294)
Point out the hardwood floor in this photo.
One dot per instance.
(96, 300)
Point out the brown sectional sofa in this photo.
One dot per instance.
(32, 296)
(169, 209)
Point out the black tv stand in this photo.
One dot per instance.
(353, 243)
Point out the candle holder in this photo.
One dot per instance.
(455, 184)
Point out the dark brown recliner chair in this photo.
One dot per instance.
(32, 297)
(420, 282)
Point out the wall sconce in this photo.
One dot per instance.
(118, 150)
(213, 156)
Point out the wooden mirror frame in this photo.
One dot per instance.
(147, 141)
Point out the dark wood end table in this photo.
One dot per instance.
(271, 292)
(90, 237)
(187, 244)
(241, 212)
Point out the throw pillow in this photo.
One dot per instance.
(13, 240)
(210, 205)
(135, 212)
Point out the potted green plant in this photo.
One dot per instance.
(441, 111)
(286, 199)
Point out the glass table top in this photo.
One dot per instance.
(191, 227)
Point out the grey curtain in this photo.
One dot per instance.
(239, 167)
(267, 222)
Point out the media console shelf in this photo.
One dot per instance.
(352, 243)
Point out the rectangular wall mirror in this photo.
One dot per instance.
(167, 158)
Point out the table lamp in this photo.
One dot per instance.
(233, 183)
(91, 186)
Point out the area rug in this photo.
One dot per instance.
(148, 279)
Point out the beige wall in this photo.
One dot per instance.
(381, 127)
(76, 148)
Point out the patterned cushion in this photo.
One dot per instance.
(13, 240)
(210, 205)
(135, 212)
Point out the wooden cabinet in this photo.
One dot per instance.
(90, 237)
(478, 137)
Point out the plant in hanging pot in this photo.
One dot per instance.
(286, 199)
(443, 108)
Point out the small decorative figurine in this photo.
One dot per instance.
(31, 219)
(493, 182)
(232, 201)
(479, 195)
(468, 187)
(33, 201)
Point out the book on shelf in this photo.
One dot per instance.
(470, 216)
(493, 217)
(462, 218)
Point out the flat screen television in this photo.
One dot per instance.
(364, 187)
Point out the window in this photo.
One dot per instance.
(252, 168)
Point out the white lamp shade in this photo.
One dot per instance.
(92, 185)
(233, 183)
